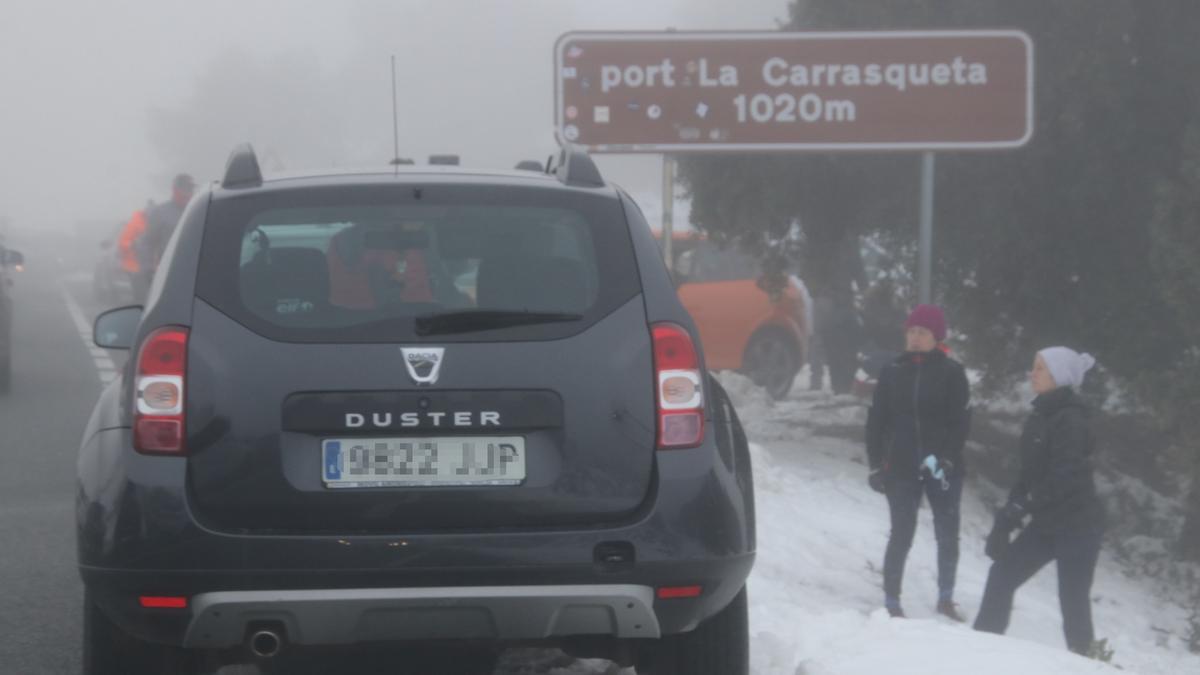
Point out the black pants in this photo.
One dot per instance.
(816, 363)
(1076, 554)
(841, 356)
(139, 283)
(904, 500)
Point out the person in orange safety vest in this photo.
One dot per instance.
(134, 228)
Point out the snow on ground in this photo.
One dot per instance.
(815, 592)
(815, 598)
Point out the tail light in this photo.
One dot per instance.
(680, 389)
(676, 592)
(158, 423)
(163, 601)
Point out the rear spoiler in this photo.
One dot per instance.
(575, 168)
(241, 170)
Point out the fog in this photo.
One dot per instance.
(103, 102)
(873, 269)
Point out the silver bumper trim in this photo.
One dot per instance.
(345, 616)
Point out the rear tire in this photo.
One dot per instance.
(108, 650)
(470, 662)
(5, 371)
(772, 362)
(719, 646)
(240, 669)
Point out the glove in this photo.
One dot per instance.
(936, 469)
(946, 466)
(997, 540)
(1012, 516)
(875, 480)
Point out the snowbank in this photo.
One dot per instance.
(815, 592)
(847, 643)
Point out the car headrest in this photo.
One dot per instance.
(287, 281)
(534, 283)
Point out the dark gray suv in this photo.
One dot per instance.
(409, 408)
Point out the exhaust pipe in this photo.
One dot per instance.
(266, 644)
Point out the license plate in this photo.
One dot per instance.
(423, 462)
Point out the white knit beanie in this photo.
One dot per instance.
(1066, 365)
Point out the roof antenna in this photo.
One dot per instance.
(395, 121)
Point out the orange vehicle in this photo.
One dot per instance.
(741, 327)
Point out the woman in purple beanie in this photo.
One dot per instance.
(916, 429)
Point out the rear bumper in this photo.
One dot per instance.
(137, 536)
(492, 613)
(321, 607)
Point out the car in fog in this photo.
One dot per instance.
(10, 261)
(431, 404)
(742, 327)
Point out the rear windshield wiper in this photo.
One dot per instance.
(470, 320)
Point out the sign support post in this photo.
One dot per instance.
(668, 211)
(925, 271)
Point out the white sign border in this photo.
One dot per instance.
(765, 36)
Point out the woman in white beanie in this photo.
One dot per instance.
(1056, 492)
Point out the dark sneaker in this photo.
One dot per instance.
(950, 610)
(895, 612)
(1099, 651)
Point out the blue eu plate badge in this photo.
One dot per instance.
(333, 460)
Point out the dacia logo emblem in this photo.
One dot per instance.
(423, 363)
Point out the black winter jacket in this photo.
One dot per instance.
(1055, 484)
(161, 221)
(921, 407)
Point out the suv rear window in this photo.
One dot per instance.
(363, 265)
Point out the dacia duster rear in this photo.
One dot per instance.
(424, 405)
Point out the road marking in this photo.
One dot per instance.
(106, 370)
(78, 278)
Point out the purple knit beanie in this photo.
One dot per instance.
(931, 317)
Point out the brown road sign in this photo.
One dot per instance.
(709, 92)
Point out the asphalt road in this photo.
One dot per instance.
(58, 374)
(55, 383)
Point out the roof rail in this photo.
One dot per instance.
(443, 160)
(576, 169)
(531, 165)
(241, 171)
